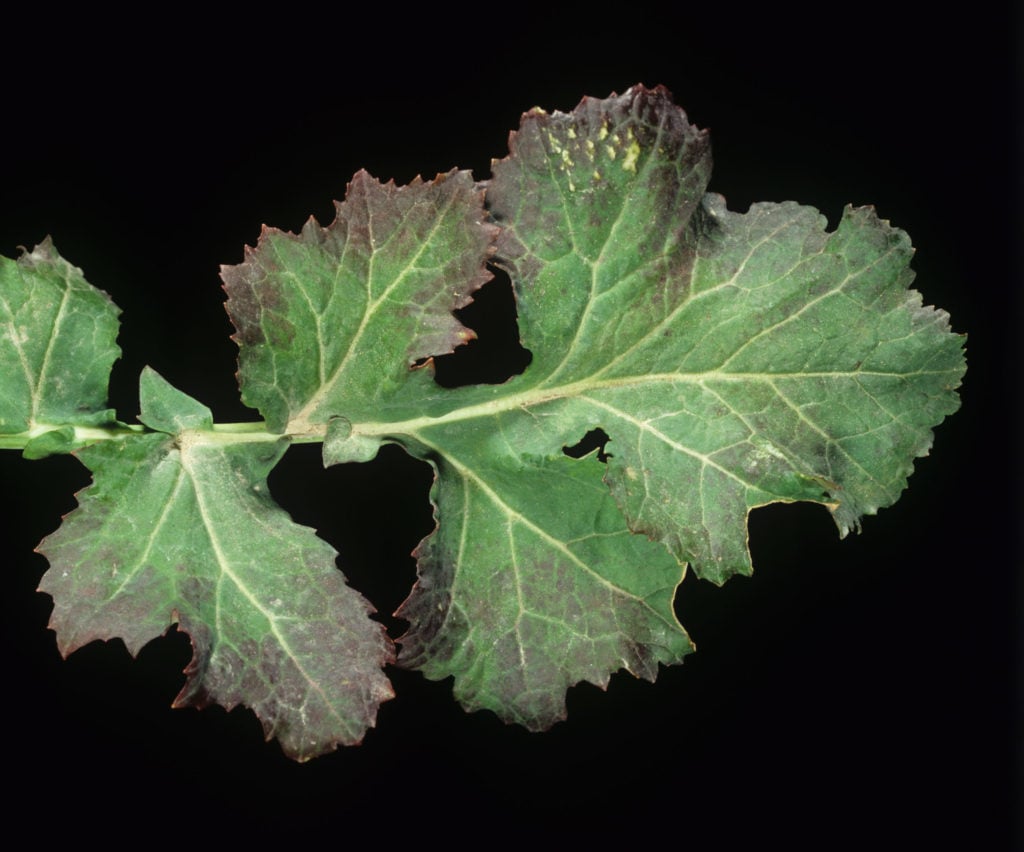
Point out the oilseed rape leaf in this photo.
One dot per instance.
(734, 359)
(180, 529)
(330, 320)
(57, 344)
(730, 360)
(533, 583)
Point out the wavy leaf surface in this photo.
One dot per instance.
(180, 529)
(57, 342)
(732, 359)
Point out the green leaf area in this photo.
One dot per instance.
(733, 360)
(57, 346)
(180, 528)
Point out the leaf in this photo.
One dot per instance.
(533, 583)
(330, 320)
(57, 338)
(733, 359)
(179, 528)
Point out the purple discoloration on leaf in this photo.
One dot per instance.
(729, 361)
(330, 320)
(273, 627)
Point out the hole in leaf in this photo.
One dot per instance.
(595, 439)
(496, 355)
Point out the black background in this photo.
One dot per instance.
(851, 692)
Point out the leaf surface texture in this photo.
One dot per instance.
(732, 359)
(57, 343)
(178, 529)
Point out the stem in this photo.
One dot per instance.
(314, 433)
(84, 435)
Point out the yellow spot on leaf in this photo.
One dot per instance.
(632, 154)
(603, 132)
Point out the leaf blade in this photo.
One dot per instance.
(58, 333)
(529, 586)
(725, 303)
(330, 321)
(275, 628)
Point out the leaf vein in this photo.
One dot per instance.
(224, 562)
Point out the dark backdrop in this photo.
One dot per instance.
(857, 691)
